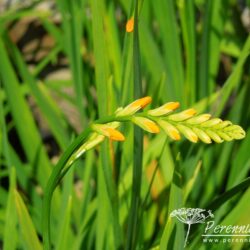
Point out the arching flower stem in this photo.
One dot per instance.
(59, 171)
(185, 122)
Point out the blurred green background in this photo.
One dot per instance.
(65, 63)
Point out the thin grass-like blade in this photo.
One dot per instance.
(28, 231)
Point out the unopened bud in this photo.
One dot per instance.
(188, 133)
(199, 119)
(184, 115)
(170, 130)
(164, 109)
(146, 124)
(133, 107)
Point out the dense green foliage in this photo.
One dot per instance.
(121, 194)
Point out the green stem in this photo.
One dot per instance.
(133, 222)
(52, 183)
(58, 173)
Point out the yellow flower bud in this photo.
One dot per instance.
(184, 115)
(211, 123)
(114, 134)
(133, 107)
(222, 125)
(93, 141)
(164, 109)
(199, 119)
(146, 124)
(188, 133)
(170, 130)
(214, 136)
(239, 135)
(224, 136)
(130, 25)
(235, 131)
(202, 135)
(108, 131)
(233, 128)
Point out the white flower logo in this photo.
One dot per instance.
(191, 216)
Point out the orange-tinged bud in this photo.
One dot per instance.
(170, 130)
(114, 134)
(175, 135)
(171, 105)
(130, 25)
(142, 102)
(108, 131)
(202, 135)
(146, 124)
(184, 115)
(199, 119)
(164, 109)
(152, 126)
(133, 107)
(189, 112)
(188, 133)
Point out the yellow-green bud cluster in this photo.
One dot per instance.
(187, 123)
(199, 127)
